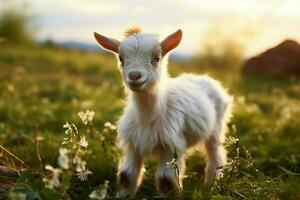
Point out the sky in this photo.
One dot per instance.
(257, 24)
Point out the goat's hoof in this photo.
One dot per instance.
(166, 186)
(124, 180)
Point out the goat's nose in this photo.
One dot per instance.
(134, 76)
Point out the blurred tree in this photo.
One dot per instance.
(225, 55)
(49, 42)
(224, 43)
(15, 25)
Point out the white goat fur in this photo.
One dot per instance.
(167, 115)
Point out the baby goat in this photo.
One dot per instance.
(165, 115)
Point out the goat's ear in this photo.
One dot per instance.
(107, 43)
(171, 42)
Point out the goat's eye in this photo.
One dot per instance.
(156, 59)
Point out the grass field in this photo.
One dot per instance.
(41, 88)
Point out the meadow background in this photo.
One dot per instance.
(44, 83)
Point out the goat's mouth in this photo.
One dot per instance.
(136, 86)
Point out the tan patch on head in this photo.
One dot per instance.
(132, 30)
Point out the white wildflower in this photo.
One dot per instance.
(231, 141)
(83, 175)
(172, 163)
(54, 180)
(110, 126)
(17, 196)
(76, 159)
(83, 142)
(71, 131)
(100, 193)
(66, 141)
(86, 116)
(81, 166)
(63, 159)
(68, 127)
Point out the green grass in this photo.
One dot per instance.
(41, 88)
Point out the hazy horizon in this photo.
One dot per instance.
(258, 24)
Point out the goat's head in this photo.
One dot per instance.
(140, 56)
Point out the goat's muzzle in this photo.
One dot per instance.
(134, 76)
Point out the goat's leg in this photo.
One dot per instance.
(130, 174)
(216, 157)
(167, 179)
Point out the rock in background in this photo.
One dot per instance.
(281, 60)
